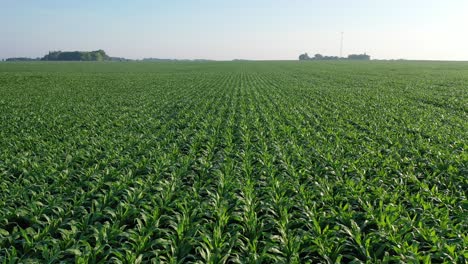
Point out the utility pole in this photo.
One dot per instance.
(341, 45)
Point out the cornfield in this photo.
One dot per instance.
(234, 162)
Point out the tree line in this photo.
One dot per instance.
(305, 56)
(23, 59)
(98, 55)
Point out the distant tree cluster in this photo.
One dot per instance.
(305, 56)
(22, 59)
(172, 60)
(119, 59)
(98, 55)
(359, 57)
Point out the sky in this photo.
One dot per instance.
(238, 29)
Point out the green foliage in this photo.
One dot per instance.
(233, 162)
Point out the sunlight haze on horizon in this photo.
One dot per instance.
(222, 30)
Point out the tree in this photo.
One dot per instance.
(318, 57)
(304, 56)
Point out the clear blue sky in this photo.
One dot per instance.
(249, 29)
